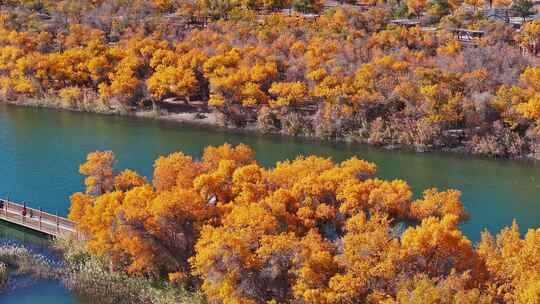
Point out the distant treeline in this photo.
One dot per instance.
(346, 74)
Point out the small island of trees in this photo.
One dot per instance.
(426, 75)
(305, 231)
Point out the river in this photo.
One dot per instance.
(41, 149)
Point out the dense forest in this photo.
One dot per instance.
(305, 231)
(224, 228)
(334, 72)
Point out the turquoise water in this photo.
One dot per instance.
(23, 289)
(40, 151)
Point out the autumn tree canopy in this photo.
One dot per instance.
(316, 71)
(308, 230)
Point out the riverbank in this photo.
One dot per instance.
(450, 141)
(84, 275)
(42, 148)
(90, 277)
(18, 260)
(379, 84)
(35, 149)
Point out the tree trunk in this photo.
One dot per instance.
(155, 107)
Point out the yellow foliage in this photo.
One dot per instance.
(289, 93)
(99, 169)
(438, 204)
(176, 169)
(502, 3)
(417, 6)
(475, 3)
(422, 289)
(127, 180)
(70, 94)
(172, 81)
(512, 263)
(308, 230)
(452, 47)
(442, 242)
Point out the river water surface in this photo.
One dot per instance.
(40, 151)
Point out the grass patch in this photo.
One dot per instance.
(17, 260)
(90, 277)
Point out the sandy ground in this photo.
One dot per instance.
(211, 119)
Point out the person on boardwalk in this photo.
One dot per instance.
(24, 211)
(31, 213)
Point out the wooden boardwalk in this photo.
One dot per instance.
(35, 219)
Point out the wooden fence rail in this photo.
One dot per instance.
(36, 219)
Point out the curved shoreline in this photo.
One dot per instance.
(212, 125)
(18, 260)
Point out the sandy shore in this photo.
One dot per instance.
(205, 119)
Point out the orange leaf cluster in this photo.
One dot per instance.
(308, 230)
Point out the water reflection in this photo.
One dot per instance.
(24, 289)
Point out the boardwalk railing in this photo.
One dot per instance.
(36, 219)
